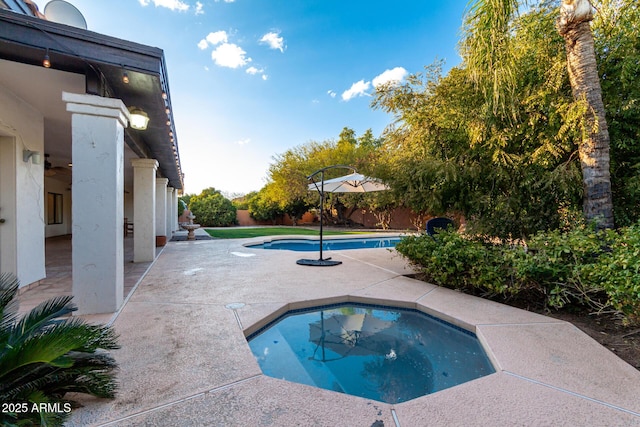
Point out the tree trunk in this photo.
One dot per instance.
(573, 25)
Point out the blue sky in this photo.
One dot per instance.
(250, 79)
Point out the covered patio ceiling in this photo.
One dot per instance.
(83, 61)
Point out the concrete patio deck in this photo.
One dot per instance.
(185, 361)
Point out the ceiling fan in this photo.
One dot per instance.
(50, 170)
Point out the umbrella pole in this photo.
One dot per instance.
(321, 262)
(321, 209)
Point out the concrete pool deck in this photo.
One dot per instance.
(184, 359)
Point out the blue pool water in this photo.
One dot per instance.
(386, 354)
(308, 245)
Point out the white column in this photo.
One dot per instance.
(161, 207)
(97, 132)
(170, 221)
(144, 209)
(176, 226)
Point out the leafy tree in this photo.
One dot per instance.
(296, 208)
(46, 354)
(263, 207)
(508, 160)
(212, 209)
(617, 37)
(182, 205)
(489, 53)
(242, 202)
(288, 183)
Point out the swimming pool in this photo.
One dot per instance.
(382, 353)
(310, 245)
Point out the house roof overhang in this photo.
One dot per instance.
(103, 60)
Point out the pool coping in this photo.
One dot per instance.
(269, 239)
(548, 371)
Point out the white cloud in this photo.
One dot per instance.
(253, 71)
(202, 44)
(331, 93)
(226, 1)
(357, 89)
(217, 37)
(395, 76)
(199, 8)
(230, 55)
(169, 4)
(273, 40)
(243, 141)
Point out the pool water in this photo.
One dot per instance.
(309, 245)
(382, 353)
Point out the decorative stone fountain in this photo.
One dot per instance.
(190, 226)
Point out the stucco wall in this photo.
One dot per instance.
(244, 219)
(23, 127)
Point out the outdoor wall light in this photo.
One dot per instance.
(46, 61)
(33, 155)
(125, 77)
(139, 119)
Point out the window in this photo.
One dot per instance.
(54, 208)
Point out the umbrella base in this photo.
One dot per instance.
(327, 262)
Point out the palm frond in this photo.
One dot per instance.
(42, 316)
(90, 373)
(58, 339)
(8, 304)
(46, 354)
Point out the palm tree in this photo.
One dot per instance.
(46, 354)
(487, 51)
(574, 26)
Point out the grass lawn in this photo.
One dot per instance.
(244, 232)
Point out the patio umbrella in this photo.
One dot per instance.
(348, 334)
(352, 183)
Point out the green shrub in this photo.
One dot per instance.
(554, 266)
(461, 262)
(212, 209)
(618, 272)
(598, 270)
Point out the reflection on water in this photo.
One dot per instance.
(386, 354)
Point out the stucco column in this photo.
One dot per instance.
(176, 226)
(144, 209)
(97, 133)
(161, 207)
(170, 221)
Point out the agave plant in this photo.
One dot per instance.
(46, 354)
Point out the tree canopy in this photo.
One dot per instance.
(497, 139)
(211, 208)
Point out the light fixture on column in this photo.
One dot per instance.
(125, 76)
(33, 155)
(46, 61)
(139, 119)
